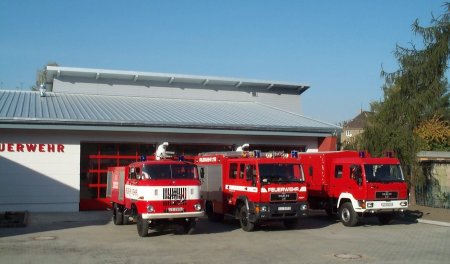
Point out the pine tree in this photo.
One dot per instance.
(415, 93)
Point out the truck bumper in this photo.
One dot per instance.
(173, 215)
(278, 211)
(383, 206)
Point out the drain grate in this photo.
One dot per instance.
(347, 256)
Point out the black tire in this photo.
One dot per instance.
(385, 219)
(348, 215)
(117, 215)
(142, 226)
(189, 227)
(246, 225)
(290, 223)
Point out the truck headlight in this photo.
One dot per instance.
(264, 208)
(369, 205)
(404, 203)
(150, 208)
(303, 207)
(198, 207)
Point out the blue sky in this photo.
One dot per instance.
(337, 47)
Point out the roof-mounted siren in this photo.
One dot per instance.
(241, 148)
(294, 154)
(362, 154)
(161, 152)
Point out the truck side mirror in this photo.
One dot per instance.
(202, 173)
(250, 175)
(359, 179)
(356, 174)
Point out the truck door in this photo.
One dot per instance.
(244, 180)
(355, 182)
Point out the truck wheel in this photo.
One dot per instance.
(290, 223)
(385, 219)
(142, 226)
(348, 215)
(246, 225)
(117, 215)
(189, 226)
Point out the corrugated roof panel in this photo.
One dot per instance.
(137, 111)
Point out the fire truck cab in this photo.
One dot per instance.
(155, 193)
(252, 187)
(352, 184)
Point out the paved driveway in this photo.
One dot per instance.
(89, 237)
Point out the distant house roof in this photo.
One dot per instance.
(20, 109)
(359, 121)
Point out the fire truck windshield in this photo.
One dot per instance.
(280, 172)
(173, 171)
(383, 173)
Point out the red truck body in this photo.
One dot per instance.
(155, 193)
(353, 184)
(252, 189)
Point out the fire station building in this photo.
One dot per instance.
(56, 143)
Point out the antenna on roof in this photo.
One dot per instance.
(42, 90)
(241, 148)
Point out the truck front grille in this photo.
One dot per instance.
(174, 196)
(283, 197)
(386, 195)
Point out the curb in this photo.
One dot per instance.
(432, 222)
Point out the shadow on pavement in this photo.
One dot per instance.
(41, 222)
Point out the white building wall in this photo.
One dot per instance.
(39, 171)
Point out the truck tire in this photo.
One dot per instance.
(142, 226)
(347, 214)
(189, 226)
(246, 225)
(385, 219)
(117, 215)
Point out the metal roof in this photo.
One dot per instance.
(53, 72)
(111, 112)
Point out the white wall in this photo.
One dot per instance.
(42, 180)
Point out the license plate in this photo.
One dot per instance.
(176, 209)
(284, 208)
(387, 204)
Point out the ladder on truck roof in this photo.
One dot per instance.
(251, 154)
(231, 154)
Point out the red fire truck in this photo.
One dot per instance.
(155, 193)
(252, 187)
(352, 184)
